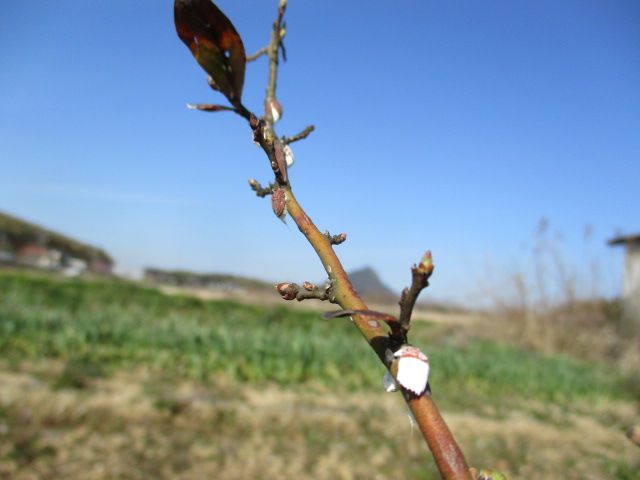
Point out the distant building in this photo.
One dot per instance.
(37, 256)
(26, 244)
(71, 266)
(100, 265)
(7, 253)
(631, 278)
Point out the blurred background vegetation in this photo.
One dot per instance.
(104, 378)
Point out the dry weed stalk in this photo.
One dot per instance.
(560, 306)
(218, 48)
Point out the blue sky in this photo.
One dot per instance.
(450, 125)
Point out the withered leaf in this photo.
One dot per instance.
(215, 44)
(281, 160)
(385, 317)
(207, 107)
(279, 203)
(393, 323)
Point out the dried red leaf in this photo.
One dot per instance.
(207, 107)
(279, 202)
(385, 317)
(390, 320)
(215, 44)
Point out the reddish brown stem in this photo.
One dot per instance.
(446, 452)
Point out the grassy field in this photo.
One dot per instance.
(104, 379)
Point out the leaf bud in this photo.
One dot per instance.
(426, 263)
(274, 109)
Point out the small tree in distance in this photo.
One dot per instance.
(218, 48)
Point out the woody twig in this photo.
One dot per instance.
(377, 328)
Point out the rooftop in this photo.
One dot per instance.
(19, 233)
(625, 240)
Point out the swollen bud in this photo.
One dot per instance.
(340, 238)
(287, 291)
(426, 263)
(274, 109)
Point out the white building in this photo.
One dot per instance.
(631, 278)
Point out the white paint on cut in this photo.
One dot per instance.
(413, 369)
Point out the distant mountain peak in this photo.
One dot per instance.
(368, 283)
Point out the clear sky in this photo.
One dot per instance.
(449, 125)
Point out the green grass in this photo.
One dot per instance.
(98, 327)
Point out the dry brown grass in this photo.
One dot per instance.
(552, 303)
(585, 330)
(137, 427)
